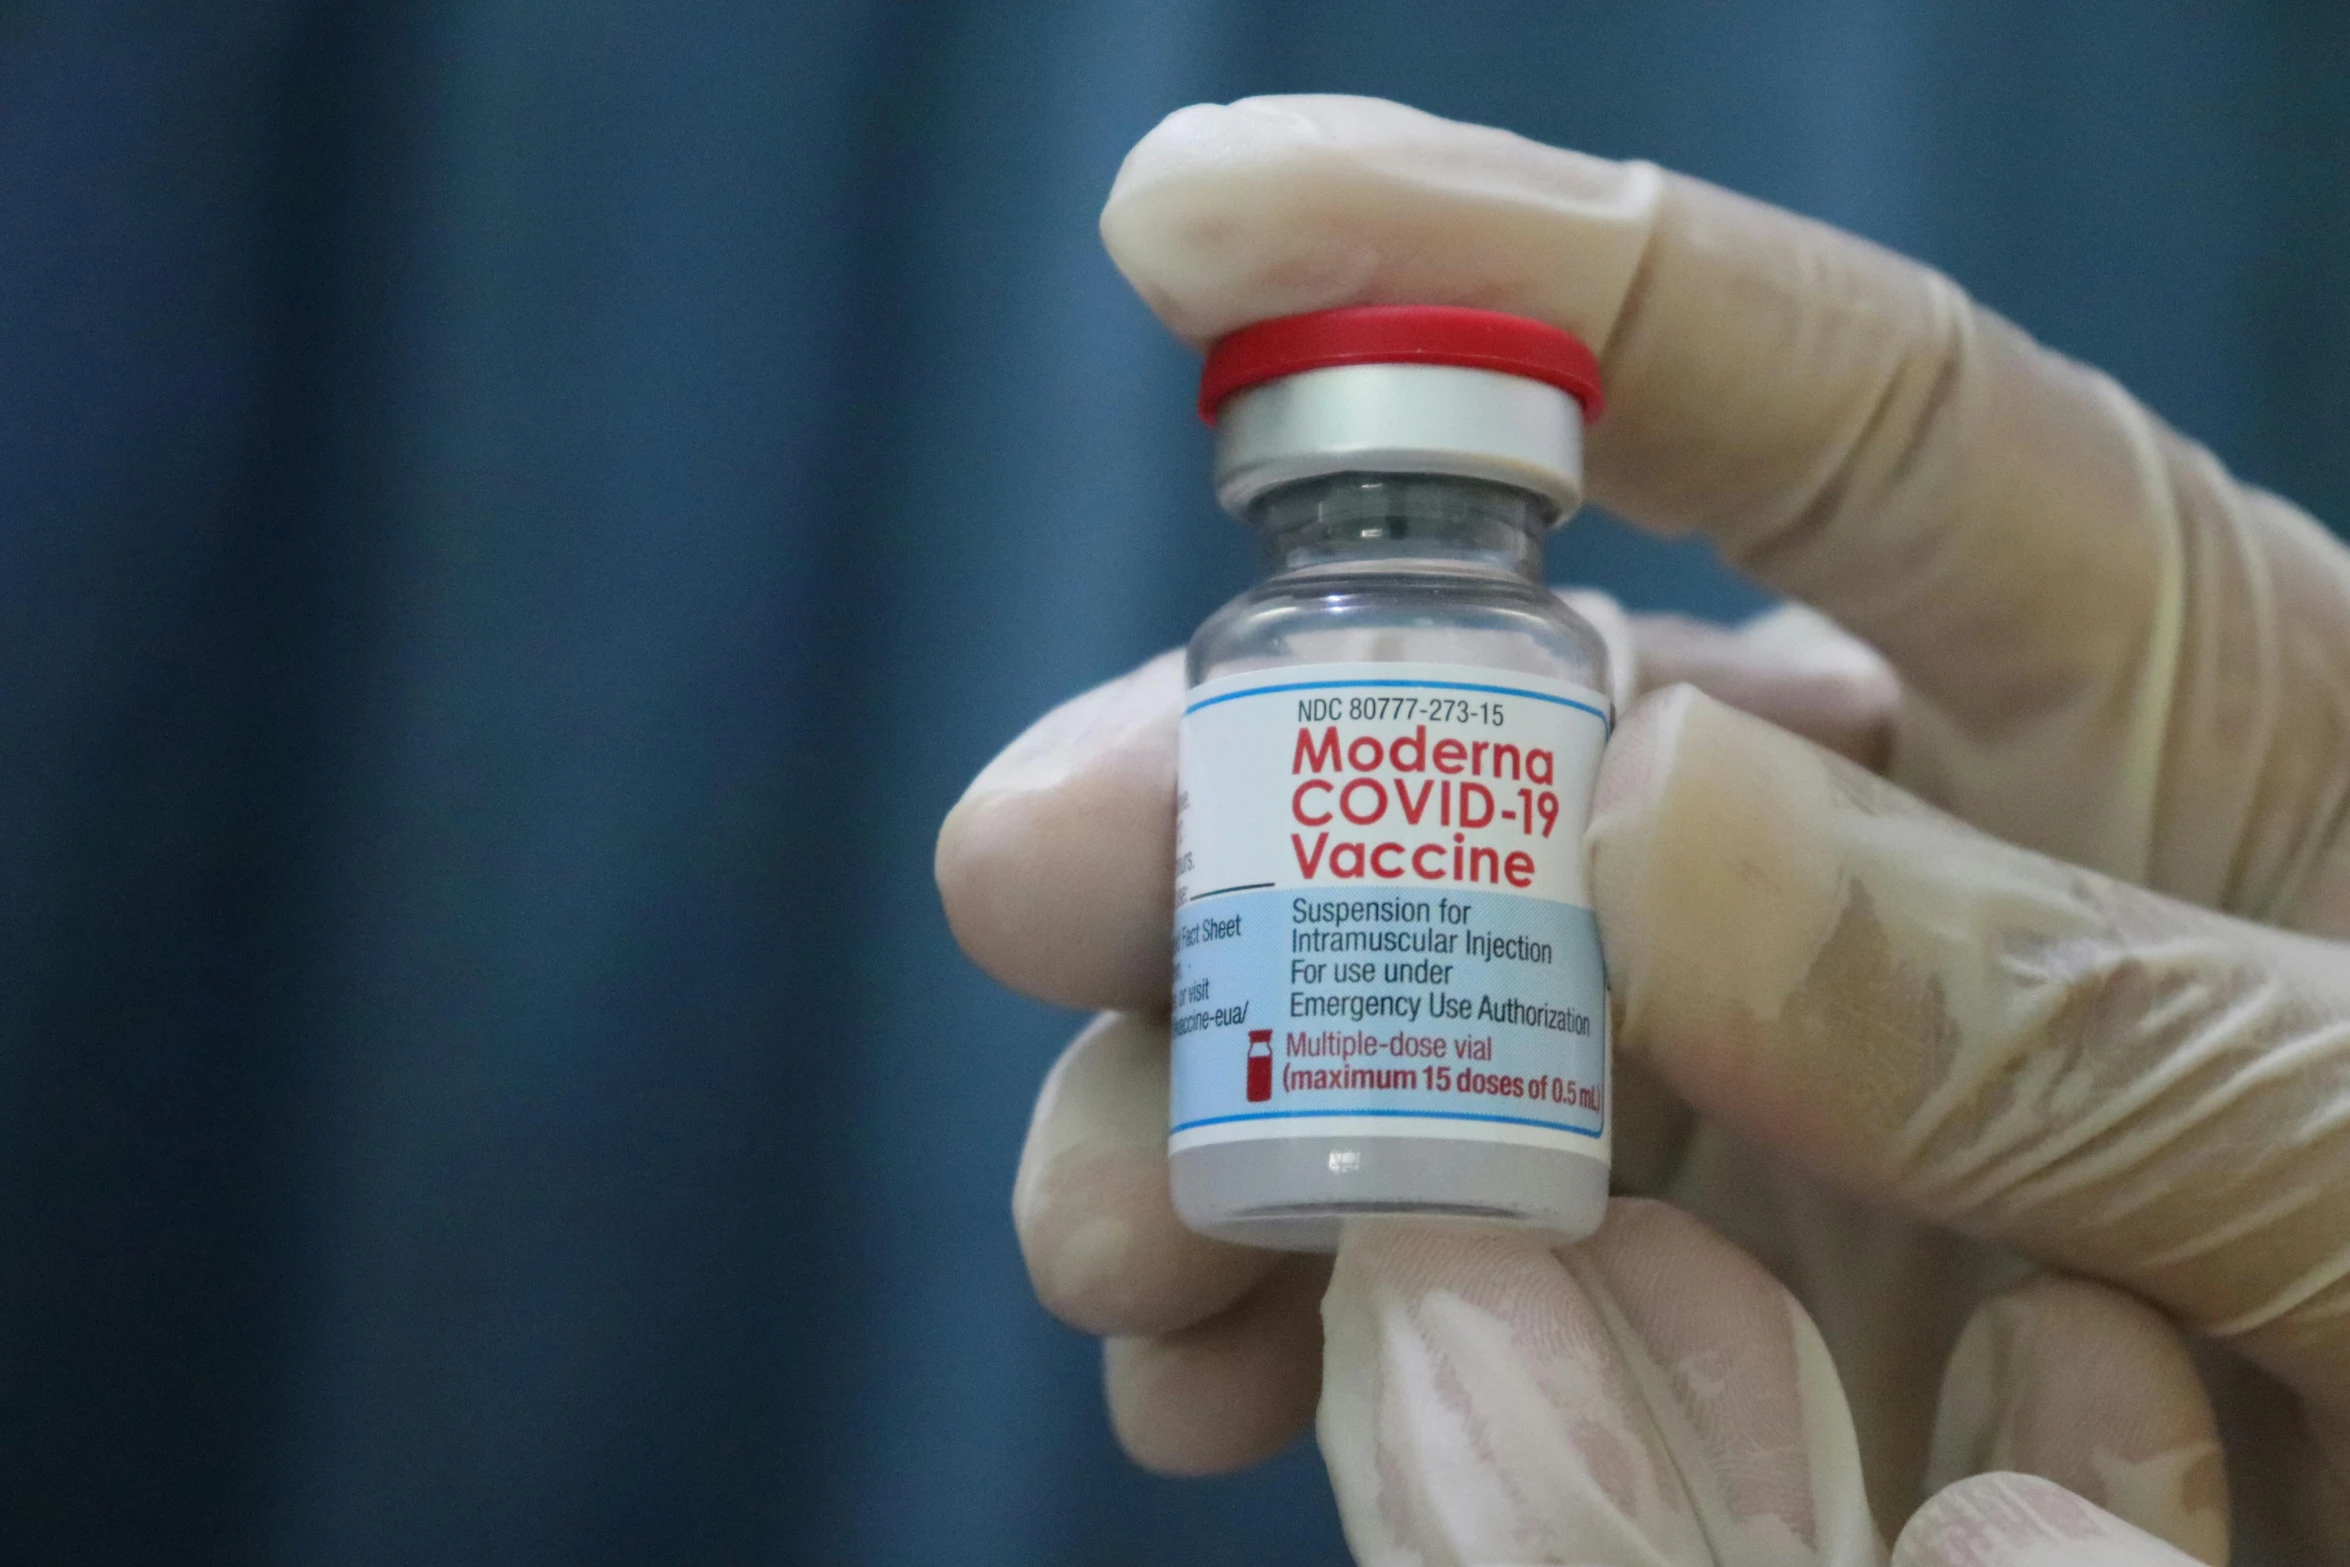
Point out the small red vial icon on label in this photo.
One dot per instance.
(1260, 1065)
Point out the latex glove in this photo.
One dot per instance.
(2108, 651)
(1653, 1396)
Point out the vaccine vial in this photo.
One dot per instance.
(1388, 993)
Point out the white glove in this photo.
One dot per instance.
(2108, 654)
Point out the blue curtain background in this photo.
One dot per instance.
(516, 520)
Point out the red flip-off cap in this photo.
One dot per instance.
(1399, 335)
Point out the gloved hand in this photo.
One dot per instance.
(2109, 655)
(1444, 1453)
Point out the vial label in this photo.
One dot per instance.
(1381, 922)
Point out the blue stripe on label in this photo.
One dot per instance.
(1435, 685)
(1422, 1115)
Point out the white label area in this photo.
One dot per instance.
(1381, 925)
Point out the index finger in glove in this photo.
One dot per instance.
(2086, 608)
(2131, 1087)
(1057, 866)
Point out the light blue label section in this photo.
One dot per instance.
(1477, 1008)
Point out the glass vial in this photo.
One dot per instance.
(1388, 993)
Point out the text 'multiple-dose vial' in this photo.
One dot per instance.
(1388, 990)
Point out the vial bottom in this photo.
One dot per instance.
(1294, 1193)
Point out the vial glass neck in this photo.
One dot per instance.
(1402, 522)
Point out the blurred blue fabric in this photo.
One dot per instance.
(516, 520)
